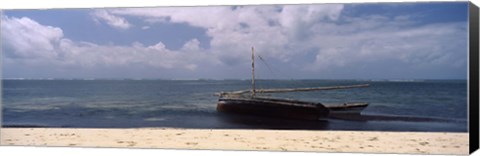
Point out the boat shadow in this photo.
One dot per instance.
(260, 122)
(367, 117)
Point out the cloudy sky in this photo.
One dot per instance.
(327, 41)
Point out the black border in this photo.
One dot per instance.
(473, 77)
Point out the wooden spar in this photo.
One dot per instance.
(253, 91)
(253, 73)
(309, 89)
(281, 90)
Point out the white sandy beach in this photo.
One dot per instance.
(270, 140)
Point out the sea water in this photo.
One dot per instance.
(426, 105)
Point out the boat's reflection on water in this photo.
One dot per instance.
(369, 117)
(259, 122)
(330, 123)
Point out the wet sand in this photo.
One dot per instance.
(269, 140)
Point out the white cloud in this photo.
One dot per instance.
(433, 45)
(37, 43)
(277, 32)
(25, 38)
(112, 20)
(156, 56)
(268, 28)
(192, 45)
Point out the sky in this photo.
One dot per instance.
(321, 41)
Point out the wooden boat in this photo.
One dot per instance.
(248, 102)
(347, 108)
(282, 108)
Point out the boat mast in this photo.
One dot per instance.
(253, 73)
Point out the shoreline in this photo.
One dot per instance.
(226, 129)
(455, 143)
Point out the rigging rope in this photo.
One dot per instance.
(299, 82)
(266, 64)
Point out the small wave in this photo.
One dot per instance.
(30, 126)
(155, 119)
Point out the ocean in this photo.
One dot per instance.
(427, 105)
